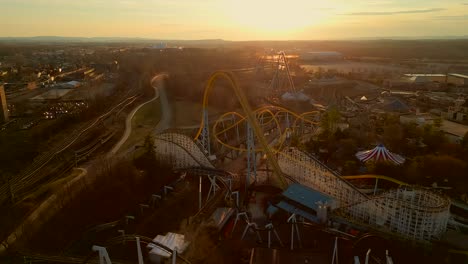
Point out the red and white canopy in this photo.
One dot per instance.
(380, 153)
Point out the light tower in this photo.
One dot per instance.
(3, 105)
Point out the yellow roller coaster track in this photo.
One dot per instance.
(250, 118)
(273, 117)
(379, 177)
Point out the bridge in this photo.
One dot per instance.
(257, 141)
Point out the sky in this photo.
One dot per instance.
(234, 19)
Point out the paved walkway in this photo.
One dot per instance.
(166, 114)
(166, 118)
(164, 122)
(128, 124)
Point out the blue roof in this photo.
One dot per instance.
(294, 210)
(305, 195)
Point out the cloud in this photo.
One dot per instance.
(378, 13)
(462, 17)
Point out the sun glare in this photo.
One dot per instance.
(274, 16)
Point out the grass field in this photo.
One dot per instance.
(143, 123)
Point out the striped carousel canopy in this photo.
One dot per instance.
(380, 153)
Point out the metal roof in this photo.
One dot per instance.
(305, 196)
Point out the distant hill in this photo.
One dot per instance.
(58, 39)
(438, 48)
(415, 38)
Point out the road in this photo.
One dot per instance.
(164, 123)
(166, 110)
(128, 123)
(46, 209)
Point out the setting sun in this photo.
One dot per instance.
(233, 20)
(273, 16)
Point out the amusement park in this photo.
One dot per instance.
(242, 174)
(249, 159)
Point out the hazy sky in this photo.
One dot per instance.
(234, 19)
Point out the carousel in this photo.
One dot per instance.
(378, 154)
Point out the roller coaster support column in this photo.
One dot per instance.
(335, 252)
(103, 256)
(213, 187)
(294, 228)
(238, 217)
(388, 258)
(270, 229)
(205, 135)
(237, 127)
(254, 228)
(250, 117)
(140, 256)
(234, 120)
(367, 256)
(200, 194)
(229, 192)
(236, 193)
(251, 157)
(174, 256)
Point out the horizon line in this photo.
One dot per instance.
(422, 37)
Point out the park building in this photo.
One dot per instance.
(454, 132)
(458, 112)
(430, 81)
(455, 79)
